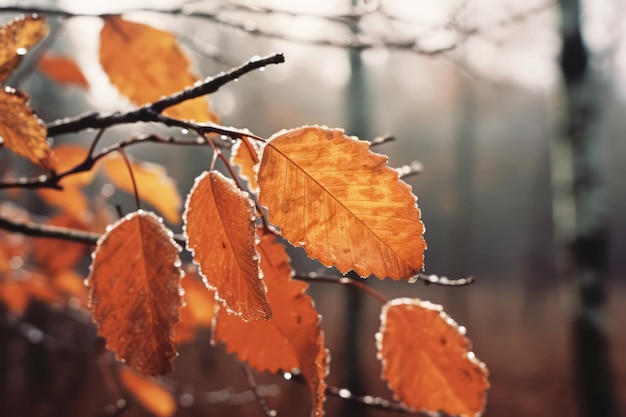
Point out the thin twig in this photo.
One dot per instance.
(442, 280)
(132, 178)
(313, 277)
(48, 231)
(267, 410)
(151, 112)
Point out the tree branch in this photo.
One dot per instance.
(151, 112)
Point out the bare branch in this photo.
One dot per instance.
(442, 280)
(313, 277)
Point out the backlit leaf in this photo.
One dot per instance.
(245, 155)
(330, 194)
(134, 291)
(145, 64)
(153, 184)
(427, 360)
(199, 307)
(62, 70)
(22, 131)
(71, 199)
(291, 338)
(149, 393)
(58, 255)
(16, 39)
(220, 228)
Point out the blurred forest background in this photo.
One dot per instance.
(480, 100)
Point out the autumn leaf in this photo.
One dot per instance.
(149, 393)
(153, 184)
(427, 360)
(152, 66)
(17, 289)
(245, 155)
(134, 291)
(22, 131)
(199, 307)
(16, 39)
(330, 194)
(291, 338)
(71, 199)
(220, 228)
(71, 285)
(55, 256)
(63, 70)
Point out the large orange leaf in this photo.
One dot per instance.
(22, 131)
(219, 224)
(152, 65)
(150, 394)
(63, 70)
(71, 199)
(153, 184)
(292, 338)
(245, 155)
(134, 291)
(199, 307)
(16, 38)
(427, 360)
(330, 194)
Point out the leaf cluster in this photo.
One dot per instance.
(313, 187)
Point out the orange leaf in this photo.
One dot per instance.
(16, 38)
(63, 70)
(245, 155)
(153, 184)
(219, 224)
(134, 281)
(330, 194)
(70, 284)
(292, 338)
(57, 255)
(427, 360)
(150, 394)
(152, 66)
(70, 199)
(22, 131)
(13, 246)
(199, 307)
(19, 288)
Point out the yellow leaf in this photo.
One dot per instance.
(330, 194)
(427, 360)
(16, 38)
(134, 291)
(220, 228)
(22, 131)
(153, 184)
(145, 64)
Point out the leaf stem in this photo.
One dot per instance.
(132, 177)
(313, 277)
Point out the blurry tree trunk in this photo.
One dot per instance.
(580, 220)
(462, 196)
(358, 126)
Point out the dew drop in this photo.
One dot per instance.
(1, 140)
(236, 80)
(34, 336)
(262, 69)
(21, 51)
(287, 375)
(121, 403)
(224, 137)
(184, 131)
(344, 393)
